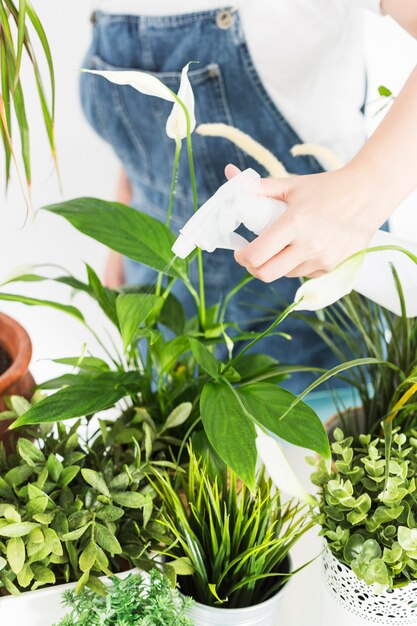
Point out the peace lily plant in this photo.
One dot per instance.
(162, 377)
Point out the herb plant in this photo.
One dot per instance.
(74, 507)
(368, 507)
(232, 544)
(137, 600)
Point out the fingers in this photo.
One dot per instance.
(231, 171)
(309, 269)
(279, 265)
(278, 188)
(272, 241)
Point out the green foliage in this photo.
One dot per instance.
(368, 507)
(19, 28)
(358, 328)
(230, 546)
(137, 600)
(76, 504)
(159, 371)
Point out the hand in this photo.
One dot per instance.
(330, 216)
(113, 275)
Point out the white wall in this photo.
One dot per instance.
(89, 168)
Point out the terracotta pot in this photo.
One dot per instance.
(16, 380)
(355, 415)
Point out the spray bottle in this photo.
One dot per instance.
(238, 202)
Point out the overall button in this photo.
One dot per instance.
(224, 19)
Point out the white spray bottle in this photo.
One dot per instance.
(238, 202)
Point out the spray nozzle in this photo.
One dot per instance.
(234, 203)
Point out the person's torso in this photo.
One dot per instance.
(309, 56)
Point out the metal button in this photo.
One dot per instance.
(224, 19)
(93, 17)
(213, 71)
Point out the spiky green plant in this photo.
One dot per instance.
(19, 27)
(231, 544)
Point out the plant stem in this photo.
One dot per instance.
(202, 308)
(171, 202)
(275, 323)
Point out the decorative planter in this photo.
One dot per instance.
(354, 603)
(264, 614)
(16, 379)
(38, 608)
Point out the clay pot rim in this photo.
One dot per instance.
(21, 360)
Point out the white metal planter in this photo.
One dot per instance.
(38, 608)
(264, 614)
(351, 602)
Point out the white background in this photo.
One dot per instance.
(89, 168)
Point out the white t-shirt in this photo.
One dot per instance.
(308, 53)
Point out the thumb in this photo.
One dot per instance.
(277, 188)
(231, 171)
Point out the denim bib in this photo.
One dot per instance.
(227, 90)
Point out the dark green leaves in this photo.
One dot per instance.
(266, 403)
(133, 234)
(229, 429)
(84, 398)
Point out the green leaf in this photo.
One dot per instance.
(133, 309)
(384, 91)
(16, 554)
(107, 540)
(18, 530)
(205, 358)
(68, 474)
(29, 452)
(106, 298)
(85, 398)
(76, 534)
(65, 308)
(129, 499)
(96, 481)
(88, 557)
(132, 233)
(229, 429)
(267, 403)
(179, 415)
(109, 513)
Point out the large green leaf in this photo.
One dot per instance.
(66, 308)
(132, 311)
(229, 429)
(84, 398)
(267, 403)
(132, 233)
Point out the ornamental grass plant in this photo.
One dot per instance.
(231, 544)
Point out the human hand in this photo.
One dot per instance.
(330, 216)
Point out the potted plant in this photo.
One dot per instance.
(368, 518)
(15, 356)
(134, 600)
(231, 545)
(75, 505)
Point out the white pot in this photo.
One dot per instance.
(264, 614)
(38, 608)
(349, 601)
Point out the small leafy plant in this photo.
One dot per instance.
(368, 507)
(231, 545)
(137, 600)
(74, 505)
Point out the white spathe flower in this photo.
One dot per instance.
(318, 293)
(150, 85)
(271, 453)
(176, 127)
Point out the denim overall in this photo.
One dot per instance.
(227, 89)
